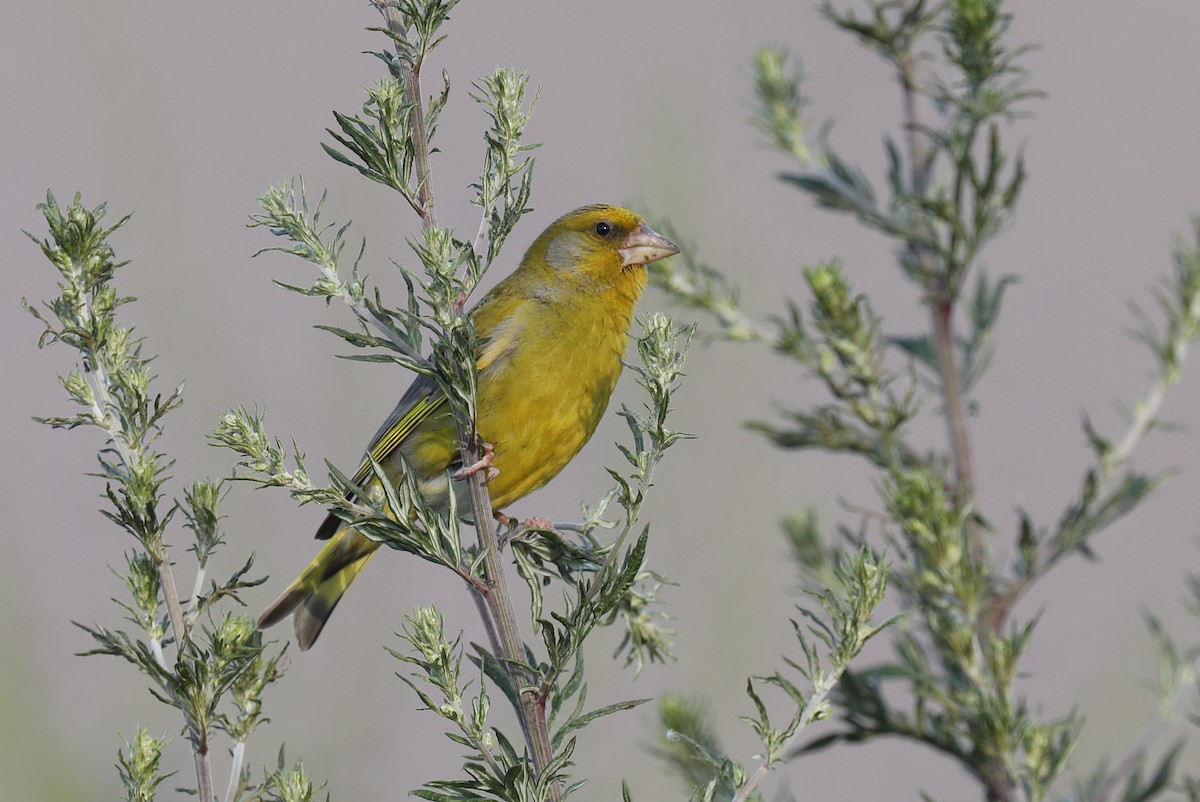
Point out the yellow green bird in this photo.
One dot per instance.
(554, 333)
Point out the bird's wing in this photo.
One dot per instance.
(423, 397)
(417, 403)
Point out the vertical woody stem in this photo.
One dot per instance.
(941, 291)
(499, 614)
(942, 300)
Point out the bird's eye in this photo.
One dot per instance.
(603, 228)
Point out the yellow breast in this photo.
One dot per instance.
(541, 404)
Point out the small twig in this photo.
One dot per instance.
(631, 517)
(412, 95)
(174, 611)
(477, 244)
(815, 702)
(489, 758)
(1050, 550)
(1139, 427)
(865, 513)
(653, 457)
(235, 771)
(366, 315)
(1132, 762)
(193, 608)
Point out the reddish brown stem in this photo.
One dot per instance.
(494, 600)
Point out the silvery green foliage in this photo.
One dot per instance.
(829, 636)
(201, 659)
(951, 186)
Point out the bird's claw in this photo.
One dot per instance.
(484, 463)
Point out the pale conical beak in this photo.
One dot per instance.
(645, 245)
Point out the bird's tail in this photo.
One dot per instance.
(311, 598)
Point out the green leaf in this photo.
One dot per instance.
(578, 722)
(498, 674)
(919, 348)
(1138, 789)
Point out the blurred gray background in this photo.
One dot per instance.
(184, 114)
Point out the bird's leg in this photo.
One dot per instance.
(485, 461)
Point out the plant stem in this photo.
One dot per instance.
(1052, 550)
(412, 95)
(131, 455)
(412, 92)
(956, 415)
(597, 583)
(235, 771)
(485, 615)
(644, 485)
(502, 626)
(942, 295)
(811, 708)
(204, 786)
(199, 736)
(189, 615)
(1143, 419)
(532, 710)
(942, 298)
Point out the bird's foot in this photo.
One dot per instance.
(484, 463)
(526, 523)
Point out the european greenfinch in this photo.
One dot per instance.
(553, 334)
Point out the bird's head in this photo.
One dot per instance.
(602, 246)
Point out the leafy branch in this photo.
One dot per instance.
(212, 667)
(950, 187)
(1110, 488)
(431, 333)
(829, 640)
